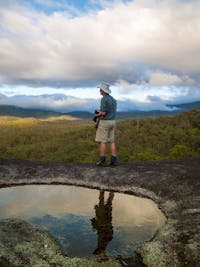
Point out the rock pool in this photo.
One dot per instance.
(85, 221)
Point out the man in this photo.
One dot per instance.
(105, 133)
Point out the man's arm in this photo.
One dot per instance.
(100, 113)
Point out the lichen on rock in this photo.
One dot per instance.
(22, 244)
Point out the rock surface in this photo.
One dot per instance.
(174, 185)
(25, 245)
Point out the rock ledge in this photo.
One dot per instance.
(174, 185)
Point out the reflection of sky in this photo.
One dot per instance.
(26, 201)
(134, 219)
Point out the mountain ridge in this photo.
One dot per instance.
(11, 110)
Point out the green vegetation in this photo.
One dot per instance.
(64, 140)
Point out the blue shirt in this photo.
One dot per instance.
(108, 105)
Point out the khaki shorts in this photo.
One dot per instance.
(105, 131)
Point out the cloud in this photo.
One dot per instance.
(154, 98)
(2, 97)
(56, 102)
(60, 102)
(123, 41)
(159, 78)
(64, 103)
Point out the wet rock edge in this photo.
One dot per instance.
(173, 185)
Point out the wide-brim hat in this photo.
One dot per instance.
(105, 87)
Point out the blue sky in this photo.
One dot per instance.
(54, 53)
(74, 7)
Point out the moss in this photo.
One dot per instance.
(194, 249)
(76, 262)
(167, 232)
(169, 206)
(157, 253)
(153, 255)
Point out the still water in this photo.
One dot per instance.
(85, 221)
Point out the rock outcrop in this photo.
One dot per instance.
(174, 185)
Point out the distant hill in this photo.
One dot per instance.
(80, 114)
(39, 113)
(175, 109)
(26, 112)
(144, 114)
(186, 106)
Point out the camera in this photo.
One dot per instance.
(94, 117)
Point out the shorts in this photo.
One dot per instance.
(105, 131)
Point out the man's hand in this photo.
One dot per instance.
(96, 114)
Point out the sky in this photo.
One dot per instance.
(54, 54)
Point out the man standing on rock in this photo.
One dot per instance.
(105, 133)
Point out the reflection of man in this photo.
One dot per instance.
(103, 222)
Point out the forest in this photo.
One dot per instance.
(63, 140)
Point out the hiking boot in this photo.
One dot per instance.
(102, 161)
(113, 161)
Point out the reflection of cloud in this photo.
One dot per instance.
(133, 211)
(36, 201)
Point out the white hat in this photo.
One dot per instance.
(105, 87)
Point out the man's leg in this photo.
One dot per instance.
(102, 152)
(113, 158)
(102, 149)
(113, 148)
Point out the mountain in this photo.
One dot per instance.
(80, 114)
(42, 113)
(186, 106)
(144, 114)
(175, 109)
(26, 112)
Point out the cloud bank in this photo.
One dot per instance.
(130, 44)
(63, 103)
(121, 42)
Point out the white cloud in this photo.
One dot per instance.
(138, 99)
(55, 102)
(149, 52)
(126, 87)
(35, 46)
(159, 78)
(2, 97)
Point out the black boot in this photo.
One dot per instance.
(113, 161)
(102, 161)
